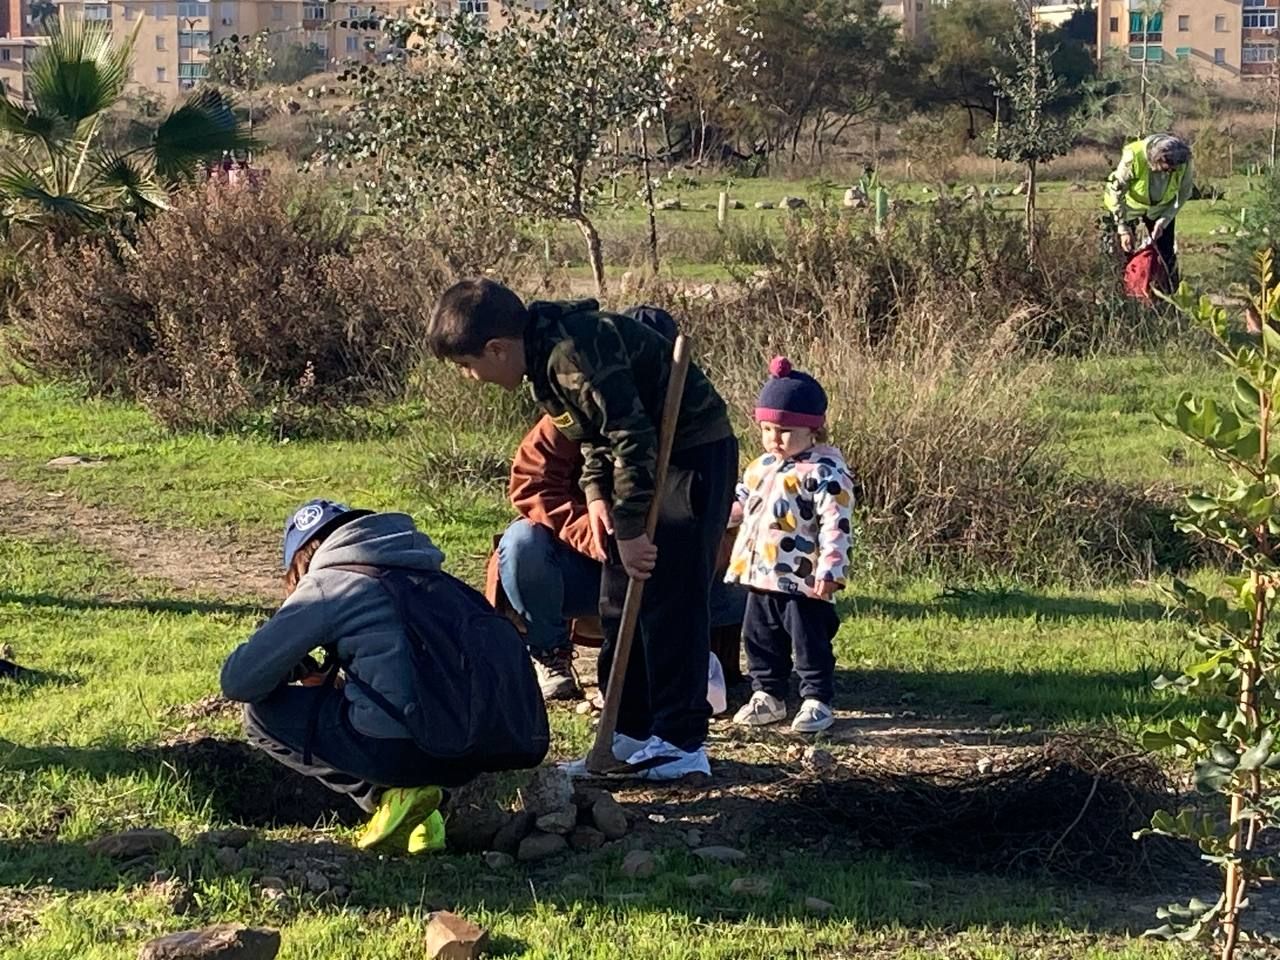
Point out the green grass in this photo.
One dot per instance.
(116, 650)
(110, 670)
(1105, 415)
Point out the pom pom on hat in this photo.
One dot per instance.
(791, 398)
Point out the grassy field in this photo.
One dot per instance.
(123, 640)
(686, 236)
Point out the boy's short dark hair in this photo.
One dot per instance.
(470, 314)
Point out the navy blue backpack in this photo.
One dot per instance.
(476, 707)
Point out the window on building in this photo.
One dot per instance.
(1184, 23)
(277, 11)
(1254, 4)
(97, 11)
(1115, 23)
(353, 13)
(1146, 27)
(353, 44)
(315, 11)
(193, 39)
(1220, 24)
(1260, 20)
(160, 75)
(477, 8)
(130, 12)
(1220, 55)
(192, 11)
(4, 55)
(1153, 54)
(1258, 53)
(158, 10)
(192, 71)
(159, 41)
(227, 11)
(1183, 53)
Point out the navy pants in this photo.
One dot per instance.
(343, 759)
(775, 626)
(665, 688)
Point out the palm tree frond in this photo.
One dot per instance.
(203, 128)
(30, 125)
(80, 72)
(23, 185)
(140, 190)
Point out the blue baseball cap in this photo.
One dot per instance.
(313, 518)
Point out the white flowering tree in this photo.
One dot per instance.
(518, 112)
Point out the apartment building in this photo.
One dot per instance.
(914, 15)
(1221, 39)
(174, 38)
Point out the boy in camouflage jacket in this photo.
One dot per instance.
(602, 378)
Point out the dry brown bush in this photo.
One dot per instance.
(927, 341)
(238, 305)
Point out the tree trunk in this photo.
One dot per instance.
(1275, 112)
(595, 252)
(1032, 187)
(666, 138)
(617, 163)
(648, 198)
(1247, 706)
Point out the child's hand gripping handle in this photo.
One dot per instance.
(601, 757)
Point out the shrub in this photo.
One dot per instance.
(925, 339)
(236, 305)
(834, 270)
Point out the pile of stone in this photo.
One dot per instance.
(554, 818)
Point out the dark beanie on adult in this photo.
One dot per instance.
(791, 398)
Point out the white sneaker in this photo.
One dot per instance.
(685, 762)
(761, 710)
(623, 748)
(814, 716)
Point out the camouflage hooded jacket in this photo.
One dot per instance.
(602, 378)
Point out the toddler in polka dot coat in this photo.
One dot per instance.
(792, 550)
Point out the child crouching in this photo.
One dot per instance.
(792, 551)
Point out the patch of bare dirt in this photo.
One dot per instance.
(193, 562)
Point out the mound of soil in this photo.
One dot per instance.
(1068, 806)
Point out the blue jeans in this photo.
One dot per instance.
(547, 582)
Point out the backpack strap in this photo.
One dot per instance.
(382, 703)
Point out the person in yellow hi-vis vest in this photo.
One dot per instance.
(1151, 184)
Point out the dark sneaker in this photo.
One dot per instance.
(555, 673)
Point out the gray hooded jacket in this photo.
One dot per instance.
(346, 610)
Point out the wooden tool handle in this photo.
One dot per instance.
(601, 757)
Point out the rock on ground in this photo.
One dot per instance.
(223, 940)
(548, 790)
(133, 843)
(507, 840)
(451, 937)
(540, 846)
(719, 854)
(234, 837)
(609, 818)
(818, 906)
(639, 864)
(584, 839)
(559, 821)
(751, 887)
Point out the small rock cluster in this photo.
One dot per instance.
(587, 822)
(553, 818)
